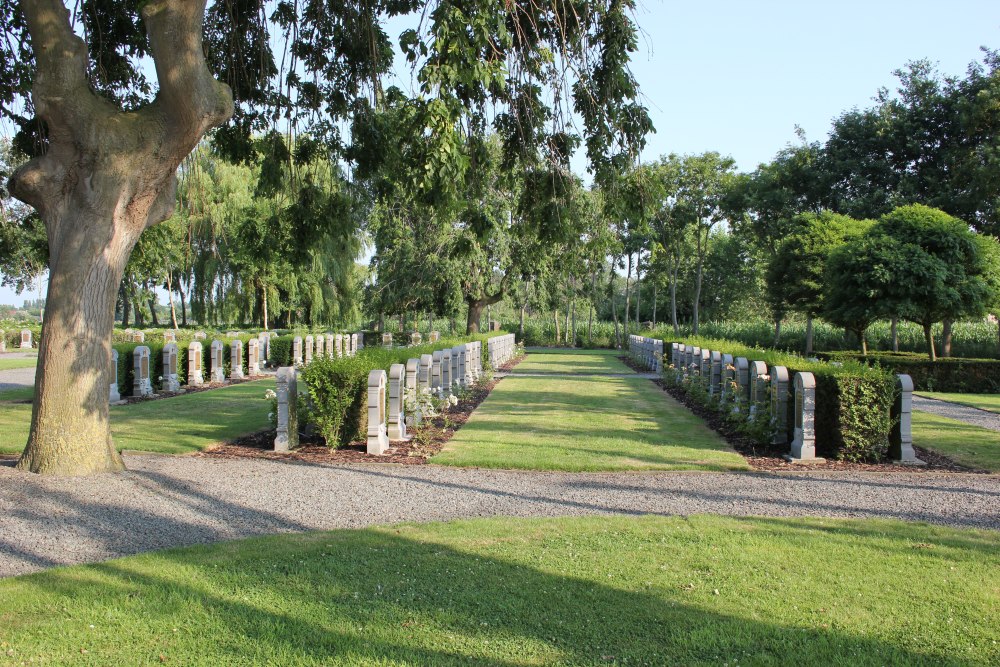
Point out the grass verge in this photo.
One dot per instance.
(963, 443)
(572, 361)
(700, 590)
(7, 364)
(177, 425)
(988, 402)
(586, 424)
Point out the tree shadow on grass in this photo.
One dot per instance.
(380, 597)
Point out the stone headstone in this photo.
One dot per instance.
(141, 385)
(338, 344)
(804, 432)
(200, 335)
(413, 388)
(171, 381)
(355, 342)
(310, 342)
(437, 360)
(359, 341)
(287, 433)
(297, 351)
(320, 346)
(456, 365)
(416, 338)
(901, 433)
(138, 337)
(195, 374)
(330, 353)
(779, 405)
(758, 387)
(170, 336)
(378, 440)
(253, 357)
(387, 341)
(113, 395)
(25, 339)
(434, 336)
(217, 370)
(236, 359)
(741, 379)
(715, 382)
(263, 343)
(446, 377)
(396, 422)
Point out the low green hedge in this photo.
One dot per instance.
(852, 400)
(338, 388)
(951, 374)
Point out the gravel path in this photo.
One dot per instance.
(172, 501)
(15, 378)
(962, 413)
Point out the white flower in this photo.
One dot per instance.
(269, 394)
(453, 400)
(270, 415)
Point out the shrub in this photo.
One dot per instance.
(852, 401)
(973, 376)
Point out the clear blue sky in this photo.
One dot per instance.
(736, 77)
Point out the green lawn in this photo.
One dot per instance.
(572, 361)
(969, 445)
(17, 394)
(698, 590)
(586, 424)
(989, 402)
(177, 425)
(7, 363)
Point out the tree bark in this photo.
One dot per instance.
(170, 297)
(566, 327)
(126, 306)
(572, 338)
(264, 304)
(697, 282)
(184, 317)
(555, 318)
(777, 329)
(476, 307)
(614, 305)
(638, 291)
(628, 294)
(946, 332)
(929, 339)
(106, 176)
(894, 332)
(520, 329)
(673, 302)
(654, 305)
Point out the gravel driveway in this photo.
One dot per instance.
(962, 413)
(172, 501)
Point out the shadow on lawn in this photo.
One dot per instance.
(348, 596)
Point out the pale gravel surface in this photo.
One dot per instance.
(962, 413)
(15, 378)
(172, 501)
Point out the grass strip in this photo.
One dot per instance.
(586, 424)
(699, 590)
(969, 445)
(176, 425)
(572, 361)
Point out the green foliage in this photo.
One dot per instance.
(975, 376)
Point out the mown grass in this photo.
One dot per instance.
(700, 590)
(586, 424)
(8, 363)
(988, 402)
(177, 425)
(966, 444)
(17, 394)
(572, 361)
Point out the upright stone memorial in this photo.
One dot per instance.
(657, 356)
(456, 365)
(171, 381)
(25, 339)
(113, 395)
(437, 363)
(297, 351)
(715, 382)
(779, 405)
(413, 388)
(253, 357)
(3, 340)
(263, 341)
(387, 340)
(236, 359)
(434, 336)
(396, 422)
(287, 434)
(378, 440)
(446, 377)
(138, 337)
(758, 387)
(338, 345)
(217, 371)
(804, 434)
(741, 376)
(329, 347)
(901, 433)
(674, 349)
(200, 335)
(355, 342)
(726, 382)
(424, 371)
(320, 346)
(170, 336)
(309, 349)
(141, 385)
(416, 338)
(359, 342)
(195, 376)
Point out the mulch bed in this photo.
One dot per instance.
(427, 439)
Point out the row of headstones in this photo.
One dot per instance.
(141, 357)
(304, 350)
(416, 338)
(500, 349)
(645, 351)
(26, 340)
(746, 384)
(443, 370)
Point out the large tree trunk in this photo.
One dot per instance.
(572, 338)
(555, 318)
(654, 305)
(929, 339)
(263, 290)
(520, 329)
(673, 302)
(566, 328)
(126, 305)
(184, 315)
(946, 332)
(777, 330)
(106, 176)
(476, 307)
(638, 294)
(614, 305)
(170, 296)
(628, 294)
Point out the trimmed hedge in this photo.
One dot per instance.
(951, 374)
(852, 401)
(338, 388)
